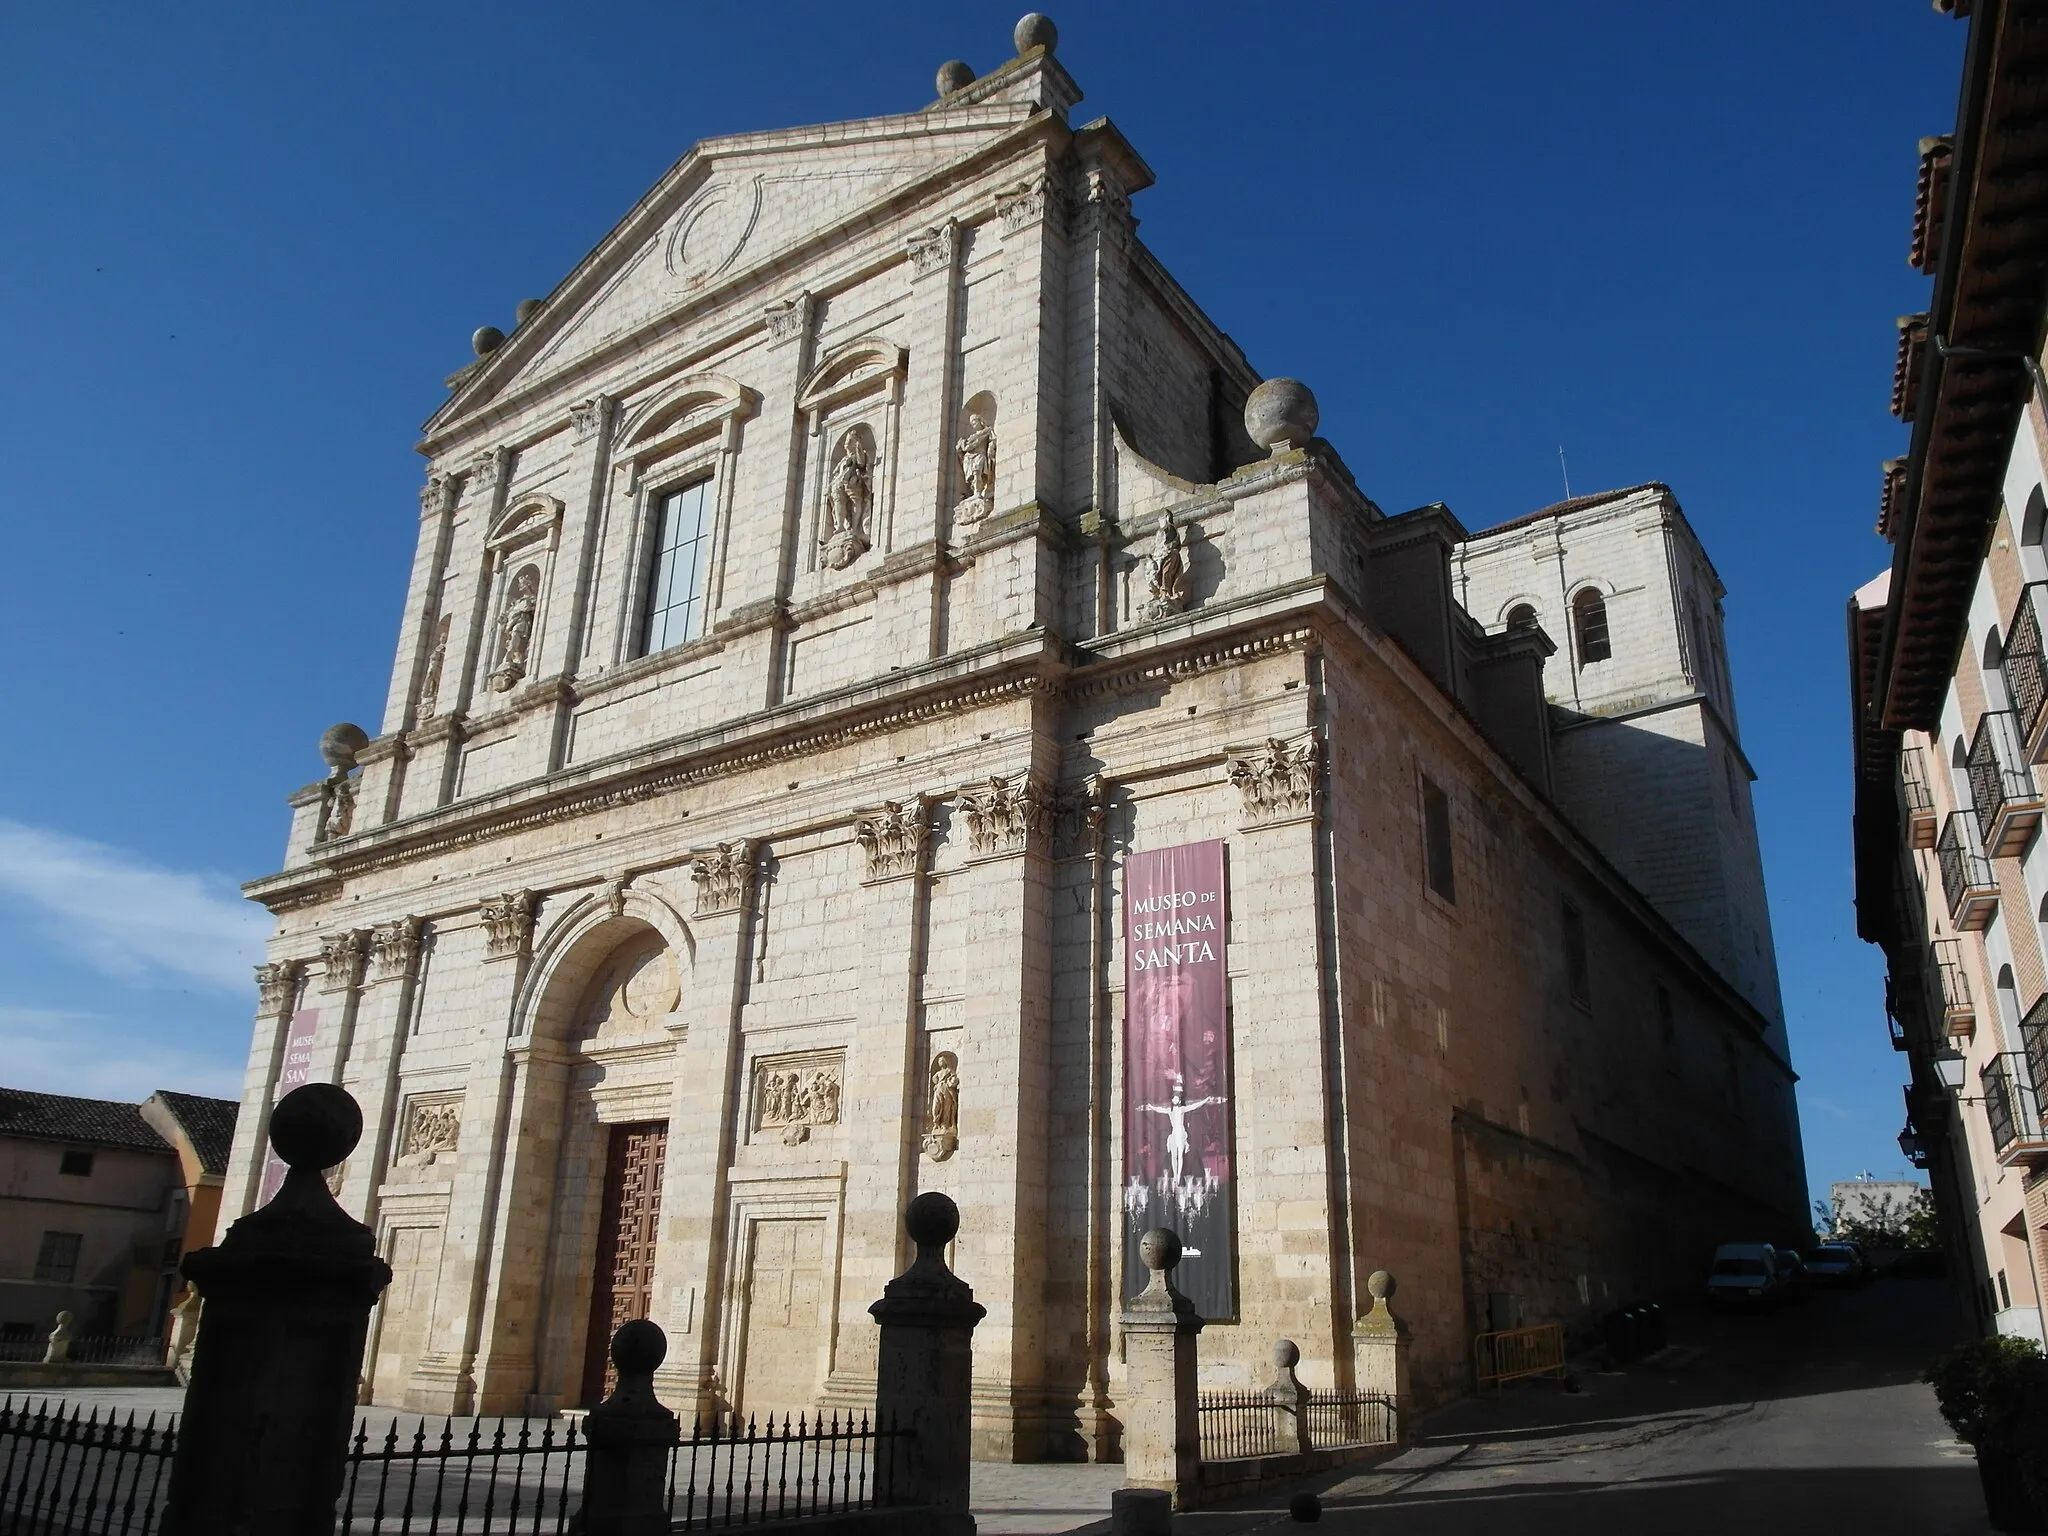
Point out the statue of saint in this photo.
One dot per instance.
(515, 629)
(942, 1116)
(977, 451)
(430, 680)
(849, 498)
(1166, 574)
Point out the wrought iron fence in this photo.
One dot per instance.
(74, 1472)
(1954, 979)
(1237, 1425)
(2024, 671)
(1918, 793)
(504, 1475)
(71, 1471)
(728, 1473)
(2011, 1104)
(86, 1349)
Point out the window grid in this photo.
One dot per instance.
(677, 569)
(57, 1259)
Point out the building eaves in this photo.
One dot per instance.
(82, 1122)
(1908, 364)
(1930, 200)
(209, 1124)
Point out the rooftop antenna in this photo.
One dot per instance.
(1566, 471)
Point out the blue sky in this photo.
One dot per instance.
(244, 243)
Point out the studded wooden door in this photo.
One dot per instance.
(629, 1219)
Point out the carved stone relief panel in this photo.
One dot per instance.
(634, 990)
(1279, 781)
(430, 1130)
(793, 1093)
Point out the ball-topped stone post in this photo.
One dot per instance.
(1162, 1435)
(924, 1372)
(1380, 1345)
(1289, 1398)
(263, 1440)
(625, 1474)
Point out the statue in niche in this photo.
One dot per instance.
(515, 629)
(849, 501)
(430, 680)
(942, 1109)
(1166, 574)
(977, 451)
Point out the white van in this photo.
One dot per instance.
(1744, 1274)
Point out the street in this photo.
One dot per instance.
(1808, 1417)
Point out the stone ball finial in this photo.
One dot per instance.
(1286, 1354)
(1160, 1248)
(1379, 1285)
(954, 75)
(931, 1220)
(315, 1126)
(486, 339)
(639, 1347)
(527, 309)
(1035, 30)
(1281, 414)
(339, 745)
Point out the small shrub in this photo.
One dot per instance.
(1983, 1388)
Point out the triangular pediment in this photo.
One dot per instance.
(728, 207)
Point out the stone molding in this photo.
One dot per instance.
(894, 838)
(1037, 198)
(277, 987)
(1281, 781)
(725, 877)
(788, 319)
(1006, 816)
(486, 467)
(342, 959)
(587, 418)
(395, 949)
(508, 923)
(436, 494)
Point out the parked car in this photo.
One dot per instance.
(1794, 1282)
(1745, 1275)
(1837, 1264)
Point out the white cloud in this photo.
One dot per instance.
(127, 916)
(50, 1050)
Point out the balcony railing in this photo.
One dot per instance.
(2013, 1108)
(1916, 798)
(1966, 877)
(1958, 1012)
(2002, 785)
(2026, 668)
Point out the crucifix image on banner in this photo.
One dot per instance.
(1178, 1111)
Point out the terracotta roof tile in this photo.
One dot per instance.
(94, 1122)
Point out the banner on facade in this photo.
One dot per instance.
(297, 1068)
(1177, 1096)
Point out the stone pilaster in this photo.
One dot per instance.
(278, 985)
(690, 1254)
(445, 1378)
(882, 1078)
(1000, 1172)
(383, 1015)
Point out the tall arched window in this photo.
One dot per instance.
(2033, 529)
(1996, 696)
(1521, 616)
(2008, 1010)
(1959, 775)
(1589, 627)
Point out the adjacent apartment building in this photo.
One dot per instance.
(98, 1201)
(889, 699)
(1949, 680)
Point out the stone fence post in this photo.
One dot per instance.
(1290, 1400)
(1162, 1431)
(924, 1372)
(628, 1438)
(1380, 1343)
(264, 1438)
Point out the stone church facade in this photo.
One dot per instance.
(822, 600)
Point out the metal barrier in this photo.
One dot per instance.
(1517, 1352)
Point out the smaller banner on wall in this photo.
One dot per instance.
(1177, 1096)
(297, 1069)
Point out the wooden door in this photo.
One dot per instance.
(785, 1317)
(628, 1222)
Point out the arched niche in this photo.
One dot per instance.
(608, 934)
(854, 395)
